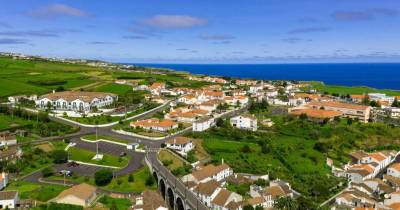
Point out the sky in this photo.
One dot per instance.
(204, 31)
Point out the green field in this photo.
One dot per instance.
(344, 90)
(39, 77)
(86, 156)
(138, 185)
(92, 137)
(7, 122)
(119, 203)
(114, 88)
(40, 192)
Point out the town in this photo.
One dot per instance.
(158, 139)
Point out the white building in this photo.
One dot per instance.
(381, 97)
(209, 172)
(203, 124)
(256, 88)
(244, 121)
(8, 199)
(394, 170)
(392, 112)
(75, 100)
(3, 180)
(7, 139)
(180, 144)
(16, 99)
(207, 191)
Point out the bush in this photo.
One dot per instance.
(149, 180)
(59, 156)
(59, 206)
(103, 177)
(131, 178)
(46, 172)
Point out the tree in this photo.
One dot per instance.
(374, 104)
(349, 121)
(149, 180)
(103, 177)
(303, 116)
(46, 172)
(220, 122)
(114, 205)
(258, 207)
(245, 149)
(365, 100)
(248, 207)
(131, 178)
(396, 103)
(60, 89)
(285, 203)
(59, 156)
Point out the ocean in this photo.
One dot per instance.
(376, 75)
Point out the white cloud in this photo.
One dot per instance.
(56, 10)
(174, 21)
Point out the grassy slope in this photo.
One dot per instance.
(344, 90)
(292, 152)
(40, 192)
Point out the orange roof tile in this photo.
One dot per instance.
(336, 104)
(377, 156)
(316, 113)
(395, 166)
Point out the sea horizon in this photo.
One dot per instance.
(376, 75)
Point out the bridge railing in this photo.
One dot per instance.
(179, 187)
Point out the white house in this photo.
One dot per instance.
(223, 198)
(7, 139)
(75, 100)
(244, 121)
(3, 180)
(8, 199)
(256, 88)
(180, 144)
(207, 191)
(394, 170)
(203, 124)
(209, 172)
(16, 99)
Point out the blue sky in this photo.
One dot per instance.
(204, 31)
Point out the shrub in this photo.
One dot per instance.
(59, 156)
(131, 178)
(46, 172)
(103, 177)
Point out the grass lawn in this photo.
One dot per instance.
(344, 90)
(137, 186)
(86, 156)
(40, 192)
(118, 89)
(166, 156)
(59, 145)
(7, 121)
(92, 137)
(120, 203)
(100, 119)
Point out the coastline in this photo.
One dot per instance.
(369, 76)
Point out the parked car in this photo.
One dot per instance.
(72, 164)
